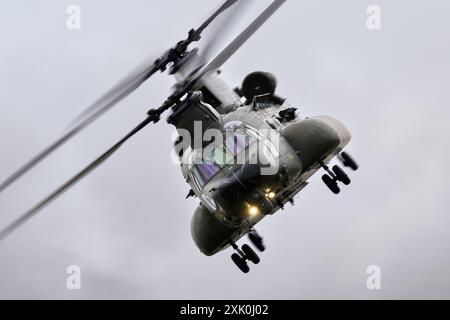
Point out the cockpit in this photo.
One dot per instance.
(229, 153)
(225, 172)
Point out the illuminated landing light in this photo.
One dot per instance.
(270, 194)
(253, 211)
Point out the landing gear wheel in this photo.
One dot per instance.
(348, 161)
(341, 175)
(240, 262)
(331, 184)
(250, 254)
(257, 241)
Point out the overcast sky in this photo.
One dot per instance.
(128, 225)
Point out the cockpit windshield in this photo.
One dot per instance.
(235, 143)
(205, 171)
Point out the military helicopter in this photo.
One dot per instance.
(244, 152)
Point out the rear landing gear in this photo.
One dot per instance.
(336, 174)
(256, 240)
(348, 161)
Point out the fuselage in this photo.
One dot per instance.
(254, 171)
(236, 196)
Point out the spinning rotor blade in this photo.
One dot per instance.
(231, 49)
(159, 64)
(120, 91)
(110, 99)
(116, 94)
(227, 4)
(227, 21)
(83, 173)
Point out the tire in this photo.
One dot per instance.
(257, 241)
(348, 161)
(240, 263)
(331, 184)
(250, 254)
(341, 175)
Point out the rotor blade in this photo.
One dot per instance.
(83, 173)
(111, 98)
(133, 81)
(137, 78)
(227, 4)
(215, 37)
(122, 89)
(225, 54)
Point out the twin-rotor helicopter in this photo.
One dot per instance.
(259, 152)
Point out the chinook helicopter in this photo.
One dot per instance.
(245, 152)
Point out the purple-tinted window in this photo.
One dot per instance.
(207, 170)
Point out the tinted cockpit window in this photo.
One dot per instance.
(221, 156)
(206, 171)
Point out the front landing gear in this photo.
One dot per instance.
(241, 256)
(331, 183)
(240, 262)
(246, 253)
(250, 254)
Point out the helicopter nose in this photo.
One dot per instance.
(237, 190)
(316, 138)
(237, 184)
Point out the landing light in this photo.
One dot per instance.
(270, 194)
(252, 210)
